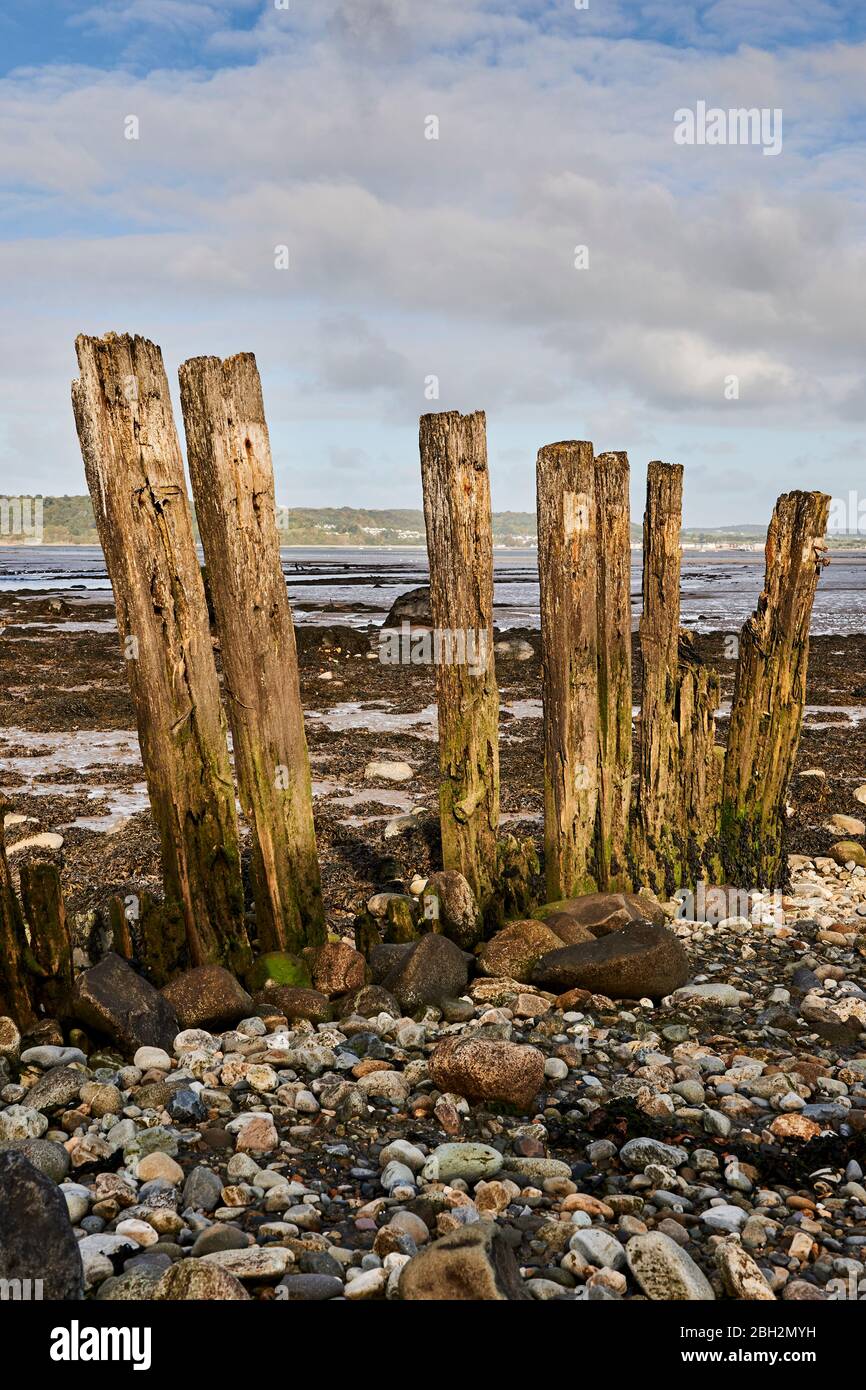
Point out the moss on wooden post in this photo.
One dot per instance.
(232, 475)
(770, 692)
(134, 471)
(460, 549)
(50, 953)
(565, 493)
(15, 983)
(613, 622)
(657, 851)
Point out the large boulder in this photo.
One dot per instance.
(413, 607)
(457, 915)
(36, 1237)
(113, 1000)
(208, 997)
(639, 960)
(488, 1069)
(474, 1262)
(514, 950)
(431, 970)
(604, 912)
(336, 968)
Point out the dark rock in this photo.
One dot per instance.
(472, 1263)
(186, 1107)
(309, 1288)
(202, 1190)
(50, 1158)
(413, 607)
(604, 912)
(368, 1002)
(208, 997)
(433, 969)
(57, 1088)
(113, 1000)
(382, 960)
(335, 639)
(293, 1003)
(320, 1262)
(219, 1237)
(36, 1236)
(639, 960)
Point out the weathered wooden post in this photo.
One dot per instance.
(15, 998)
(566, 501)
(460, 549)
(613, 551)
(770, 692)
(134, 471)
(50, 955)
(659, 644)
(229, 455)
(700, 765)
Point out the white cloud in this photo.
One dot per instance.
(453, 257)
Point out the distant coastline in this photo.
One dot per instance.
(69, 521)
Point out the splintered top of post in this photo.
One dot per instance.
(452, 417)
(130, 341)
(565, 449)
(228, 365)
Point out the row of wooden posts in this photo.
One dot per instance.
(696, 810)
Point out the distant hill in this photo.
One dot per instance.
(69, 521)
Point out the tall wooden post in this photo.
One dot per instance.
(770, 692)
(565, 491)
(460, 550)
(613, 534)
(657, 808)
(232, 476)
(134, 471)
(15, 999)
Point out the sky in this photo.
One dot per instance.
(715, 317)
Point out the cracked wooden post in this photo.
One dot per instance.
(565, 493)
(770, 692)
(657, 808)
(460, 549)
(232, 476)
(613, 559)
(50, 956)
(134, 471)
(15, 997)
